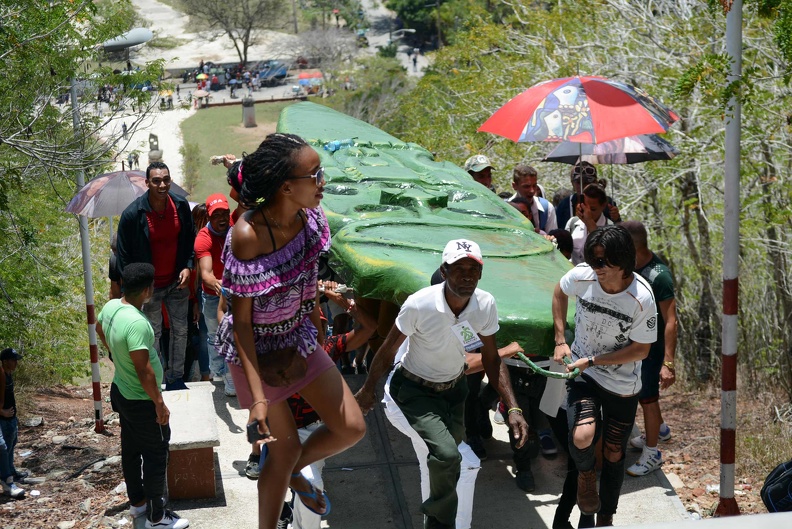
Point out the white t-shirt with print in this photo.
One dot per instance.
(435, 352)
(608, 322)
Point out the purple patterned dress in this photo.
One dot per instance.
(283, 285)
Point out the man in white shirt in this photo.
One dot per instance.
(443, 322)
(525, 185)
(615, 325)
(590, 217)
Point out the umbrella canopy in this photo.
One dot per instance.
(202, 76)
(632, 149)
(317, 75)
(109, 194)
(201, 93)
(304, 75)
(581, 110)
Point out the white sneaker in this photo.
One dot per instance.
(169, 521)
(640, 441)
(137, 512)
(230, 390)
(499, 418)
(648, 462)
(10, 489)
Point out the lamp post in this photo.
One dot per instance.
(123, 42)
(399, 33)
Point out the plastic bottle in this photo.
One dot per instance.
(336, 145)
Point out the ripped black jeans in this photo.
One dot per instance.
(614, 416)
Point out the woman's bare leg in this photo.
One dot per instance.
(343, 421)
(279, 464)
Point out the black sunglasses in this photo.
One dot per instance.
(598, 263)
(586, 170)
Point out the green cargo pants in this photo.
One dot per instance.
(438, 417)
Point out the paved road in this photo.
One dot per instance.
(375, 484)
(382, 23)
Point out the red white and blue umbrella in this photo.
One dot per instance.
(580, 110)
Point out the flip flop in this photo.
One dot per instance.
(313, 495)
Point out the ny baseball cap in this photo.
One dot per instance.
(461, 248)
(215, 202)
(10, 354)
(477, 163)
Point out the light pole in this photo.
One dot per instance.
(399, 33)
(122, 42)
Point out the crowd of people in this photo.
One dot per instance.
(238, 296)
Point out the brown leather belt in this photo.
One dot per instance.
(434, 386)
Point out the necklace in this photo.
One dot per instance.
(277, 225)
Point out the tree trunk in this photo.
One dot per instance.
(706, 333)
(780, 267)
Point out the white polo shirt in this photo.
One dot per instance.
(435, 353)
(608, 322)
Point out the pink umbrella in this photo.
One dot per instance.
(109, 194)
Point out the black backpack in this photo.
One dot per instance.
(777, 489)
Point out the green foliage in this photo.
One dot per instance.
(675, 51)
(165, 43)
(447, 17)
(219, 130)
(43, 302)
(191, 166)
(42, 47)
(377, 83)
(388, 51)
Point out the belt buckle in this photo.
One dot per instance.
(442, 386)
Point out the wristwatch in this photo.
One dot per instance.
(669, 365)
(590, 360)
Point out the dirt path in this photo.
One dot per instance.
(76, 471)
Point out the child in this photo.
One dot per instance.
(8, 424)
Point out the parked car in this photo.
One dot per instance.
(273, 72)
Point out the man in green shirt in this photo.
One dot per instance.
(135, 394)
(657, 369)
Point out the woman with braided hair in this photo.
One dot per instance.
(271, 334)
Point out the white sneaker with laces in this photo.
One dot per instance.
(11, 489)
(137, 512)
(648, 462)
(169, 521)
(230, 390)
(640, 441)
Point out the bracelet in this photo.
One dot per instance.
(515, 410)
(262, 401)
(558, 344)
(669, 365)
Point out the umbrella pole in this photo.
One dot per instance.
(85, 243)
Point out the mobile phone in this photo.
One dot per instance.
(253, 433)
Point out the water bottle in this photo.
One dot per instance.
(336, 145)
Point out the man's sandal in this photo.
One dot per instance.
(313, 495)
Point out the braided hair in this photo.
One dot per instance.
(259, 175)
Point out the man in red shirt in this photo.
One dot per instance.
(157, 228)
(208, 246)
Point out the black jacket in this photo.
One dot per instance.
(133, 234)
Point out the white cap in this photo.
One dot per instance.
(461, 248)
(477, 163)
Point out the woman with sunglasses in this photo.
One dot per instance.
(271, 258)
(582, 175)
(615, 325)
